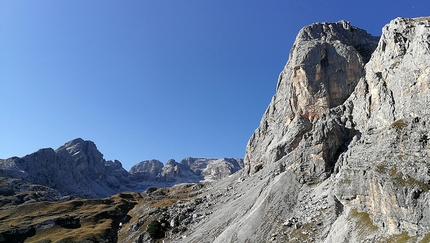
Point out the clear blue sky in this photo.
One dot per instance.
(154, 79)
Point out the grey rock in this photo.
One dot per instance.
(146, 170)
(339, 159)
(188, 170)
(325, 64)
(78, 169)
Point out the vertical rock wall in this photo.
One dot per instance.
(325, 64)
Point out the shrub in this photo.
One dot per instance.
(155, 230)
(175, 230)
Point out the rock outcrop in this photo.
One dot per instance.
(342, 153)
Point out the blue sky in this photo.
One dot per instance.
(154, 79)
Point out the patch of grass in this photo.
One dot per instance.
(304, 233)
(165, 202)
(426, 238)
(399, 124)
(401, 238)
(363, 224)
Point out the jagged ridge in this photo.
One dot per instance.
(77, 168)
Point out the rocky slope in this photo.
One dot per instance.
(342, 152)
(78, 169)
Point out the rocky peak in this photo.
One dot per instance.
(78, 168)
(325, 64)
(332, 164)
(84, 156)
(187, 170)
(147, 168)
(341, 31)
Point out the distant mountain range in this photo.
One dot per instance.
(78, 168)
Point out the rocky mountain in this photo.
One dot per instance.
(342, 153)
(187, 170)
(78, 168)
(325, 65)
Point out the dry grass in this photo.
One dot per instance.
(98, 219)
(363, 223)
(401, 238)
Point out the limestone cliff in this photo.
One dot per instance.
(325, 64)
(342, 153)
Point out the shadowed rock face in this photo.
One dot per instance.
(325, 64)
(77, 168)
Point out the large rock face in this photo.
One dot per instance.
(325, 64)
(342, 153)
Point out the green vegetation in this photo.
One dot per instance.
(305, 233)
(385, 171)
(97, 220)
(426, 238)
(155, 230)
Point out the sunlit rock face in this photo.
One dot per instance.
(342, 153)
(325, 64)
